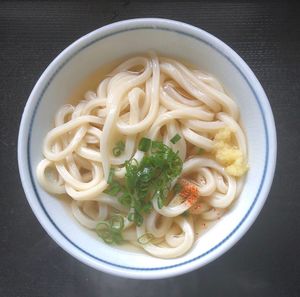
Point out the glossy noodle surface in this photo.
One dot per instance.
(149, 157)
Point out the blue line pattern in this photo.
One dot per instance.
(145, 268)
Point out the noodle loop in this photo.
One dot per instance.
(147, 156)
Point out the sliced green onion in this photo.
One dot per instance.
(200, 151)
(114, 189)
(138, 219)
(117, 222)
(102, 229)
(110, 176)
(144, 144)
(106, 236)
(160, 202)
(135, 217)
(175, 139)
(102, 226)
(131, 217)
(117, 238)
(150, 178)
(145, 238)
(125, 199)
(116, 152)
(119, 148)
(114, 186)
(147, 207)
(111, 232)
(156, 145)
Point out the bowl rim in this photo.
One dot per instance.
(24, 141)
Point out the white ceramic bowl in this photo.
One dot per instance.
(127, 38)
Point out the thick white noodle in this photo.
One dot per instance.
(154, 97)
(152, 224)
(171, 252)
(216, 199)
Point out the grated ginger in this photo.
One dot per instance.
(228, 154)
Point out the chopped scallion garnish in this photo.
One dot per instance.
(111, 231)
(117, 222)
(144, 144)
(114, 186)
(119, 148)
(150, 178)
(135, 217)
(145, 238)
(175, 139)
(110, 176)
(160, 202)
(200, 151)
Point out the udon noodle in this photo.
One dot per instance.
(152, 154)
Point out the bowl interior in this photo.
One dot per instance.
(75, 65)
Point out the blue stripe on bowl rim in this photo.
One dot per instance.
(147, 268)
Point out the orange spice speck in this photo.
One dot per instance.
(189, 191)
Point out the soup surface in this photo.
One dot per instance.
(150, 153)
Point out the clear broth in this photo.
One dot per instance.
(91, 83)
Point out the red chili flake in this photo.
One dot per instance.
(189, 191)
